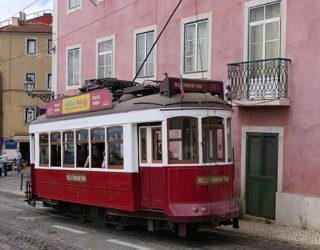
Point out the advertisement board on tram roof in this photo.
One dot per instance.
(93, 101)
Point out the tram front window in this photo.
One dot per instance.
(82, 148)
(97, 147)
(183, 140)
(55, 149)
(213, 139)
(44, 150)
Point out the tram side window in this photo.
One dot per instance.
(97, 147)
(156, 145)
(82, 148)
(55, 149)
(213, 139)
(183, 140)
(68, 149)
(44, 149)
(143, 145)
(115, 148)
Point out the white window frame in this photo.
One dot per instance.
(264, 23)
(49, 49)
(36, 46)
(136, 32)
(73, 47)
(105, 39)
(73, 9)
(35, 78)
(25, 113)
(205, 74)
(48, 75)
(283, 17)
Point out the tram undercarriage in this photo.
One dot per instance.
(120, 220)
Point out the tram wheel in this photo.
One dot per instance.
(119, 223)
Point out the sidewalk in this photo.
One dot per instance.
(305, 238)
(12, 182)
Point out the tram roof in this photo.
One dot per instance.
(156, 101)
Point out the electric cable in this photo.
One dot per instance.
(65, 35)
(8, 19)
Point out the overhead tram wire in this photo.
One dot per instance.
(8, 19)
(67, 34)
(198, 44)
(201, 63)
(82, 27)
(154, 44)
(202, 75)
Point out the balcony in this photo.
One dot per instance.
(259, 83)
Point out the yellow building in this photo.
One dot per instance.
(25, 53)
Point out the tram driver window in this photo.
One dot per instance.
(115, 148)
(183, 140)
(213, 139)
(68, 149)
(55, 149)
(44, 149)
(97, 147)
(82, 148)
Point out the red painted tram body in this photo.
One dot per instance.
(166, 158)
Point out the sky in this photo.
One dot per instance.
(8, 8)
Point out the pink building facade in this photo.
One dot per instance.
(264, 50)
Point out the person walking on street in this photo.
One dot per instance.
(19, 159)
(4, 162)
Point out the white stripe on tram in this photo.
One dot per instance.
(123, 243)
(69, 229)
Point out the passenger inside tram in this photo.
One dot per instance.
(82, 148)
(97, 156)
(97, 147)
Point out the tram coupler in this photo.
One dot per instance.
(182, 229)
(235, 223)
(32, 203)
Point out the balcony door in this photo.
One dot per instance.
(264, 44)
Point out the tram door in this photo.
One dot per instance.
(151, 171)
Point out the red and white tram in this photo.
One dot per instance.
(165, 159)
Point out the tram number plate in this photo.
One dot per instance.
(76, 177)
(206, 180)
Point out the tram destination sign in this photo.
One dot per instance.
(172, 85)
(206, 180)
(93, 101)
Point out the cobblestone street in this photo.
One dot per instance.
(295, 237)
(275, 232)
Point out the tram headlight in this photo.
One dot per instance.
(203, 209)
(195, 209)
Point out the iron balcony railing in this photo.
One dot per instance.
(258, 80)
